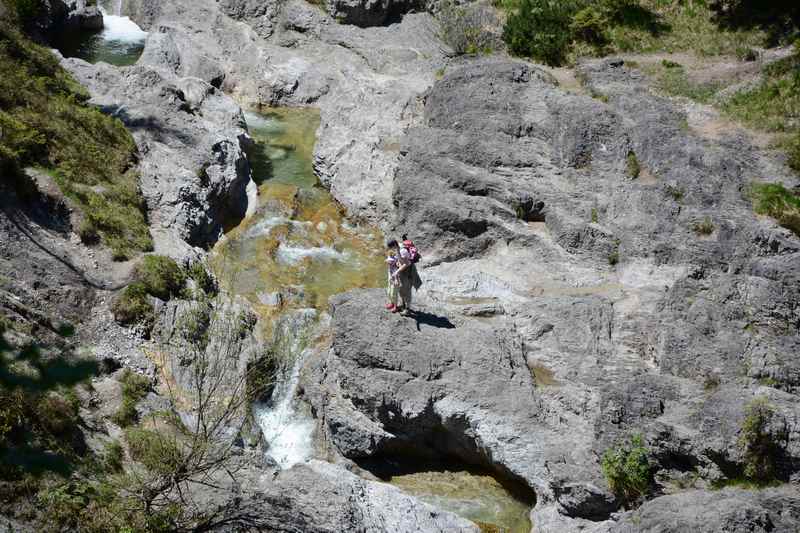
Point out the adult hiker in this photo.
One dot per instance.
(393, 265)
(406, 273)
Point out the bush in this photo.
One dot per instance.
(160, 276)
(757, 445)
(589, 25)
(203, 279)
(159, 453)
(774, 200)
(540, 29)
(632, 165)
(704, 227)
(134, 388)
(58, 411)
(627, 469)
(133, 305)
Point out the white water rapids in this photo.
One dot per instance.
(288, 430)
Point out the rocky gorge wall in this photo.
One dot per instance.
(568, 300)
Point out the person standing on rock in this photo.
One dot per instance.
(406, 275)
(393, 264)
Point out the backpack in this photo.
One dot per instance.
(413, 253)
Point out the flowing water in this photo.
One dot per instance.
(288, 259)
(119, 43)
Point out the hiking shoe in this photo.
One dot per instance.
(406, 311)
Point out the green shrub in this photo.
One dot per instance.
(133, 305)
(134, 388)
(666, 63)
(202, 278)
(113, 456)
(540, 29)
(704, 227)
(776, 201)
(161, 276)
(58, 411)
(632, 165)
(159, 453)
(627, 469)
(675, 192)
(757, 445)
(613, 258)
(589, 25)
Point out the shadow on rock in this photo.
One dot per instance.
(429, 319)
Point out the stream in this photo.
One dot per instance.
(119, 43)
(288, 259)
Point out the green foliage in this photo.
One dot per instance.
(594, 215)
(757, 445)
(666, 63)
(161, 276)
(668, 26)
(134, 388)
(613, 258)
(627, 469)
(540, 29)
(45, 121)
(776, 201)
(632, 165)
(113, 457)
(100, 507)
(158, 452)
(132, 306)
(675, 192)
(703, 227)
(589, 25)
(202, 278)
(25, 11)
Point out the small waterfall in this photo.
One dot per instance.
(118, 8)
(288, 430)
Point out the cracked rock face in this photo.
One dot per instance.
(191, 138)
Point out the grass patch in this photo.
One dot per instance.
(776, 201)
(671, 78)
(675, 192)
(46, 122)
(133, 306)
(703, 227)
(758, 447)
(161, 276)
(134, 388)
(668, 26)
(632, 165)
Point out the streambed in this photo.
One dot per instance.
(120, 42)
(294, 253)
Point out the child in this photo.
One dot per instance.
(392, 262)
